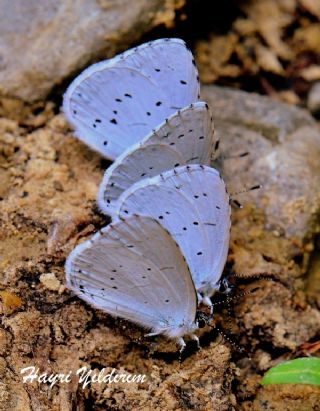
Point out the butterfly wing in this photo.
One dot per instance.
(116, 103)
(135, 164)
(190, 131)
(133, 269)
(191, 202)
(186, 137)
(164, 60)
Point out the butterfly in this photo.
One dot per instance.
(192, 203)
(186, 137)
(117, 102)
(135, 270)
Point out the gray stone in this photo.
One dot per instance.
(270, 118)
(284, 146)
(43, 42)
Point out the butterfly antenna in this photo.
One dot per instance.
(246, 190)
(228, 338)
(259, 276)
(214, 155)
(228, 299)
(222, 157)
(230, 157)
(235, 202)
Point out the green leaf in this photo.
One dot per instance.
(298, 371)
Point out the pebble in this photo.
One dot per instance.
(50, 281)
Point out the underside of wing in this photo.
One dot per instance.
(190, 131)
(170, 63)
(138, 162)
(133, 269)
(115, 103)
(186, 137)
(191, 202)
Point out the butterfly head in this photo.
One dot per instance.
(202, 319)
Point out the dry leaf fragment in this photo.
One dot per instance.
(310, 347)
(245, 53)
(311, 73)
(244, 27)
(213, 56)
(271, 28)
(312, 6)
(10, 302)
(268, 60)
(289, 96)
(307, 38)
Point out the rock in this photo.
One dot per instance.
(273, 120)
(43, 43)
(50, 281)
(284, 150)
(313, 101)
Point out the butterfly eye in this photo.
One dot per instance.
(225, 285)
(202, 319)
(201, 323)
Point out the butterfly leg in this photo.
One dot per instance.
(196, 338)
(182, 346)
(207, 301)
(151, 334)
